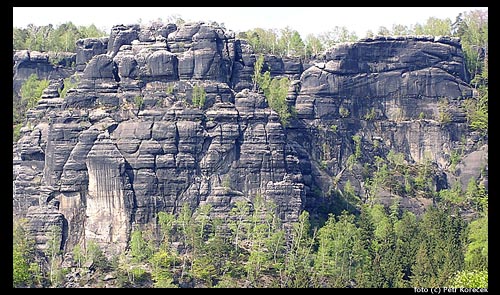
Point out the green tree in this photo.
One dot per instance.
(23, 255)
(166, 222)
(162, 263)
(276, 98)
(258, 77)
(313, 45)
(199, 96)
(470, 279)
(139, 248)
(262, 41)
(384, 265)
(69, 83)
(31, 91)
(341, 256)
(53, 252)
(238, 214)
(275, 90)
(401, 30)
(78, 255)
(49, 38)
(441, 252)
(435, 27)
(406, 248)
(96, 255)
(297, 46)
(476, 255)
(298, 263)
(383, 31)
(337, 35)
(260, 232)
(472, 28)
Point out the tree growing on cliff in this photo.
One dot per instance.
(199, 96)
(23, 259)
(31, 91)
(275, 90)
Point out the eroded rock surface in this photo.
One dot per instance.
(129, 142)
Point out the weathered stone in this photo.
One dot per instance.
(128, 141)
(100, 66)
(87, 48)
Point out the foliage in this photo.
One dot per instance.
(17, 132)
(340, 255)
(453, 196)
(170, 89)
(139, 101)
(444, 115)
(470, 279)
(288, 42)
(313, 45)
(23, 258)
(276, 97)
(476, 255)
(379, 247)
(298, 259)
(58, 38)
(96, 255)
(53, 253)
(199, 96)
(441, 251)
(476, 109)
(472, 28)
(434, 26)
(344, 112)
(357, 142)
(337, 35)
(370, 115)
(69, 83)
(31, 91)
(275, 90)
(139, 248)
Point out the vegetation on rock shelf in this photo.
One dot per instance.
(275, 90)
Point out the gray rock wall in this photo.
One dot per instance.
(128, 142)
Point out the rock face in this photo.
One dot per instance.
(44, 65)
(129, 142)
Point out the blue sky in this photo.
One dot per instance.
(303, 19)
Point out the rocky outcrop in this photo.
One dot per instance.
(44, 65)
(132, 140)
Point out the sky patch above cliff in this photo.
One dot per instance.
(305, 20)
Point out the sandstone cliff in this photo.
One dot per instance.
(128, 142)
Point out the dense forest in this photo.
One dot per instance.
(378, 247)
(360, 244)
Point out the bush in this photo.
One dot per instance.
(275, 90)
(199, 96)
(139, 101)
(17, 132)
(31, 91)
(344, 113)
(169, 89)
(370, 115)
(444, 115)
